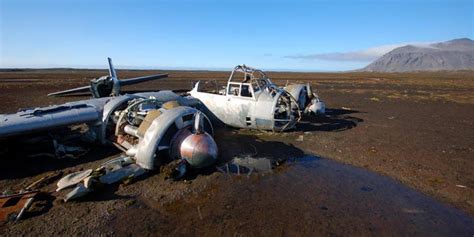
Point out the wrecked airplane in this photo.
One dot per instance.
(251, 100)
(148, 126)
(153, 127)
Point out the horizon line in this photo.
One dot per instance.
(169, 69)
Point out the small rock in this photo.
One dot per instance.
(375, 99)
(373, 149)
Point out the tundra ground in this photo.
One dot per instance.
(394, 154)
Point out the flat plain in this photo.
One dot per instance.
(393, 154)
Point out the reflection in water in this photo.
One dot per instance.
(246, 165)
(308, 196)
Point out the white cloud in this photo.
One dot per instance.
(365, 55)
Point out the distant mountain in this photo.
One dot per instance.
(455, 54)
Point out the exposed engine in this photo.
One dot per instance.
(150, 131)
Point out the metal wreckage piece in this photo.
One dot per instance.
(13, 206)
(150, 126)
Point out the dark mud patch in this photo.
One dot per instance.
(305, 196)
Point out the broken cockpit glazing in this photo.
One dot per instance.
(286, 112)
(251, 100)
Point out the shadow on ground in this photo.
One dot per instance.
(335, 120)
(21, 160)
(231, 144)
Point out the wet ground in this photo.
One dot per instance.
(305, 196)
(397, 160)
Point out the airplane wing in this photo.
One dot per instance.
(47, 118)
(78, 89)
(135, 80)
(124, 82)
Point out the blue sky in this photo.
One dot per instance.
(273, 35)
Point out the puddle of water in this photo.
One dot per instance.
(246, 165)
(310, 196)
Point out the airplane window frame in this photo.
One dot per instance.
(250, 90)
(230, 89)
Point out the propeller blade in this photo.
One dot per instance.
(112, 71)
(309, 90)
(70, 91)
(135, 80)
(116, 83)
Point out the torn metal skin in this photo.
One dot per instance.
(251, 100)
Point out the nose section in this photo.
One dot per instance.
(287, 112)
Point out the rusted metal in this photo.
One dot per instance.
(14, 204)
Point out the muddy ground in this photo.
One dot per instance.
(393, 156)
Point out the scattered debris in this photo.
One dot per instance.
(13, 207)
(116, 163)
(375, 99)
(173, 170)
(113, 171)
(79, 191)
(72, 179)
(62, 151)
(122, 173)
(72, 152)
(300, 138)
(461, 186)
(43, 181)
(27, 205)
